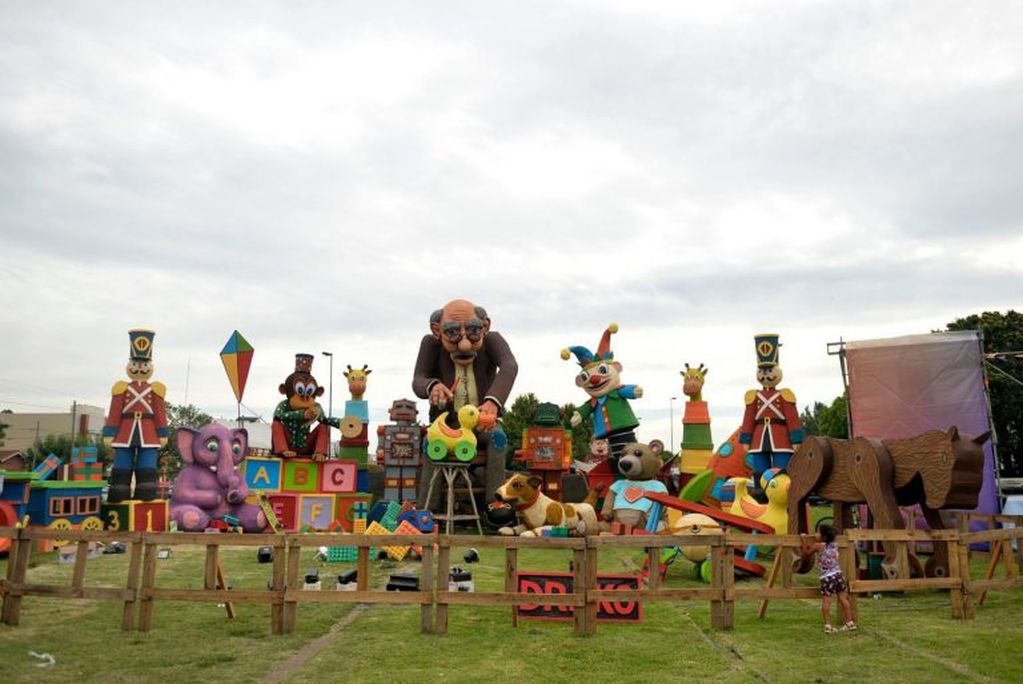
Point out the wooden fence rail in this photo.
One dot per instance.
(140, 591)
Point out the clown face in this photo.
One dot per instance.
(461, 331)
(139, 370)
(769, 377)
(600, 378)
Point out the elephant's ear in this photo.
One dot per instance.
(186, 438)
(241, 436)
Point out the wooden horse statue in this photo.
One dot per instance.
(938, 470)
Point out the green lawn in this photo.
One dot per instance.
(908, 638)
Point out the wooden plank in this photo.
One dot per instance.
(993, 535)
(986, 585)
(620, 596)
(206, 539)
(132, 585)
(222, 583)
(728, 605)
(78, 573)
(1010, 567)
(373, 596)
(660, 541)
(765, 593)
(511, 566)
(897, 535)
(964, 577)
(717, 581)
(12, 533)
(54, 591)
(762, 608)
(915, 584)
(500, 598)
(989, 572)
(148, 582)
(208, 595)
(850, 569)
(428, 581)
(20, 572)
(443, 572)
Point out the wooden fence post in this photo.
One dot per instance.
(280, 551)
(591, 557)
(722, 608)
(429, 583)
(850, 568)
(580, 574)
(292, 583)
(17, 568)
(443, 572)
(956, 593)
(511, 566)
(148, 582)
(132, 584)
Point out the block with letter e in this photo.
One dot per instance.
(285, 507)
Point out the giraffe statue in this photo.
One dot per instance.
(697, 444)
(357, 381)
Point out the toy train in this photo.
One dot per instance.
(56, 504)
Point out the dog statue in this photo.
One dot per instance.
(537, 510)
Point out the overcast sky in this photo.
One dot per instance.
(321, 176)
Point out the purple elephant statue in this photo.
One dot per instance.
(209, 487)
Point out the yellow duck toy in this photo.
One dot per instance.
(774, 512)
(442, 440)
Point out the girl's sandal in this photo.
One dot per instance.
(849, 627)
(828, 629)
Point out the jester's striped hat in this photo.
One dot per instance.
(587, 358)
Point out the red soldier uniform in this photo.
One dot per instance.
(138, 415)
(772, 420)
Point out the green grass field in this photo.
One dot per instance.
(910, 638)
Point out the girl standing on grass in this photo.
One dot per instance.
(832, 580)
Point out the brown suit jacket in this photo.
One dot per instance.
(495, 369)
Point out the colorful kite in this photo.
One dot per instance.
(237, 358)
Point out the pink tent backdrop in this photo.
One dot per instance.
(903, 386)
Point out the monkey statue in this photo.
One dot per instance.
(293, 433)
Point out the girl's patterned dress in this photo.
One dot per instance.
(832, 581)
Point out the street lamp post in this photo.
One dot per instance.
(330, 390)
(671, 419)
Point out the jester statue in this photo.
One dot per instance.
(608, 406)
(300, 426)
(136, 424)
(770, 424)
(462, 361)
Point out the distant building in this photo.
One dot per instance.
(23, 429)
(12, 460)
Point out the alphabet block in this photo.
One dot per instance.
(301, 475)
(316, 511)
(117, 517)
(285, 507)
(263, 474)
(351, 507)
(340, 477)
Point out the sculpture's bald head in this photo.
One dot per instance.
(460, 326)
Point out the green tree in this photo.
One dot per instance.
(827, 420)
(515, 420)
(1003, 333)
(177, 416)
(581, 434)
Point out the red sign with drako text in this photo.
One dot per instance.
(562, 583)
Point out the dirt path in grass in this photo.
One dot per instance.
(285, 669)
(727, 649)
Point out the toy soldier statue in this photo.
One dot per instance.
(771, 425)
(136, 424)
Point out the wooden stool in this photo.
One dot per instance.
(451, 471)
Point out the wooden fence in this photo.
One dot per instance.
(141, 592)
